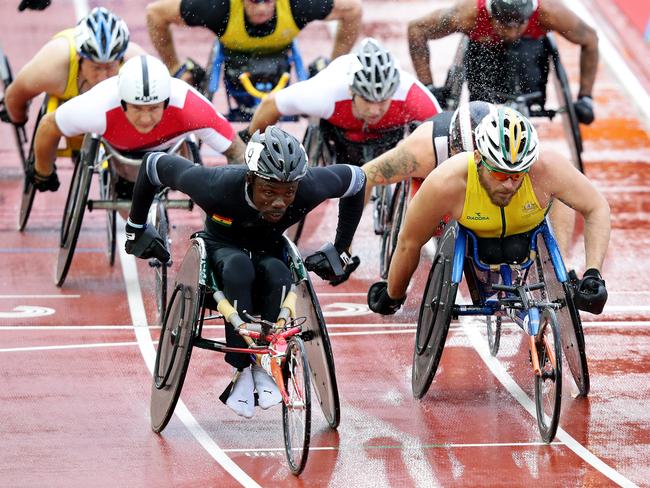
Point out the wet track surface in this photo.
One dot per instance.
(75, 384)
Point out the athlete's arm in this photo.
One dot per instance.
(46, 142)
(412, 157)
(554, 15)
(554, 175)
(46, 72)
(160, 15)
(133, 51)
(267, 113)
(348, 13)
(441, 22)
(235, 153)
(441, 194)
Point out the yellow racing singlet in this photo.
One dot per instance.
(71, 89)
(486, 219)
(237, 39)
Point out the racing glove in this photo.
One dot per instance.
(584, 108)
(34, 4)
(590, 293)
(380, 302)
(317, 65)
(43, 183)
(350, 263)
(194, 69)
(331, 265)
(145, 243)
(244, 134)
(441, 93)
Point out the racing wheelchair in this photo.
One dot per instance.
(249, 77)
(20, 133)
(535, 293)
(115, 172)
(515, 89)
(295, 350)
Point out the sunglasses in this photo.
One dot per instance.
(502, 175)
(260, 1)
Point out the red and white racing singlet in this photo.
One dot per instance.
(484, 32)
(99, 111)
(327, 96)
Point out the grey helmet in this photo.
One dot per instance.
(276, 155)
(463, 123)
(511, 11)
(373, 75)
(102, 36)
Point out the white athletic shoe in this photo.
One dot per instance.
(267, 391)
(242, 399)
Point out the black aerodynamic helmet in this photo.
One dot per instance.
(276, 155)
(511, 11)
(463, 122)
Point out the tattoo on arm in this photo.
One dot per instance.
(397, 163)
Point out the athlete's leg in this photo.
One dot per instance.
(272, 283)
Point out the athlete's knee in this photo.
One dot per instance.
(237, 271)
(276, 274)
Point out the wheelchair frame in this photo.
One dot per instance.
(515, 300)
(20, 133)
(526, 103)
(184, 322)
(210, 85)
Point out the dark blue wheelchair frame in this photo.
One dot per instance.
(457, 254)
(213, 77)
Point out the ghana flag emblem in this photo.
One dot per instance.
(220, 219)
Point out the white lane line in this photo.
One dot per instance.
(372, 332)
(340, 294)
(39, 296)
(68, 346)
(497, 369)
(71, 327)
(409, 448)
(138, 315)
(618, 66)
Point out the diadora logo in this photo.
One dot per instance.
(477, 216)
(528, 207)
(146, 99)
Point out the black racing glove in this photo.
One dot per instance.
(194, 69)
(380, 302)
(350, 263)
(43, 183)
(441, 93)
(584, 108)
(34, 4)
(317, 65)
(145, 243)
(590, 292)
(244, 134)
(331, 265)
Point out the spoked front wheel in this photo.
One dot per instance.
(548, 384)
(296, 413)
(493, 333)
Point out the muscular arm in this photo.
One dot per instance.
(442, 193)
(133, 51)
(160, 15)
(235, 153)
(440, 23)
(267, 113)
(554, 15)
(46, 142)
(411, 157)
(348, 13)
(556, 176)
(46, 72)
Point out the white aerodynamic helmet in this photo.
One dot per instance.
(507, 141)
(144, 80)
(373, 74)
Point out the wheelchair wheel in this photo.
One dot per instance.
(176, 340)
(107, 180)
(571, 332)
(160, 221)
(455, 77)
(29, 191)
(381, 197)
(569, 117)
(75, 207)
(548, 386)
(493, 333)
(397, 209)
(20, 134)
(296, 414)
(435, 315)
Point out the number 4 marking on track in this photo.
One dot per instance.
(27, 312)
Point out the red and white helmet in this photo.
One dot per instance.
(144, 80)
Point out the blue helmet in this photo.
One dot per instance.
(102, 36)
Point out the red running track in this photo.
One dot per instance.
(74, 382)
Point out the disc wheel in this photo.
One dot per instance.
(493, 333)
(296, 413)
(75, 207)
(571, 332)
(435, 315)
(398, 207)
(548, 385)
(107, 192)
(161, 223)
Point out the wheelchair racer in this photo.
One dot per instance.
(506, 36)
(246, 27)
(247, 210)
(141, 109)
(501, 192)
(363, 100)
(72, 62)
